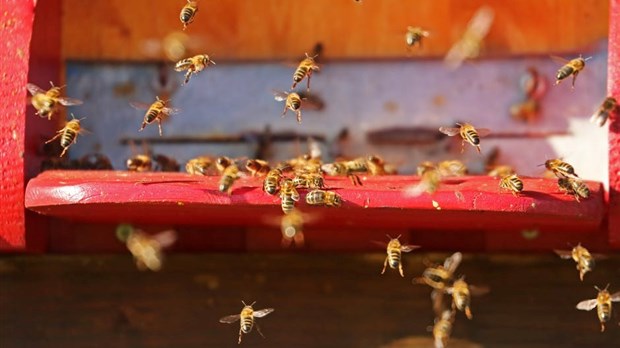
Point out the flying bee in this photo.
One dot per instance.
(575, 187)
(525, 111)
(603, 303)
(193, 65)
(326, 198)
(229, 176)
(468, 133)
(247, 319)
(443, 328)
(68, 134)
(291, 226)
(512, 183)
(199, 165)
(257, 167)
(452, 168)
(470, 44)
(394, 251)
(461, 295)
(572, 67)
(188, 12)
(271, 185)
(440, 277)
(145, 248)
(155, 112)
(582, 257)
(415, 35)
(140, 163)
(430, 179)
(305, 69)
(602, 114)
(288, 195)
(46, 102)
(560, 168)
(500, 171)
(292, 101)
(309, 181)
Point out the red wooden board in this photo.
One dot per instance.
(613, 89)
(181, 199)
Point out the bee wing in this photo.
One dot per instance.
(229, 319)
(483, 132)
(408, 247)
(263, 312)
(166, 238)
(479, 290)
(453, 261)
(417, 189)
(139, 105)
(587, 305)
(559, 60)
(449, 131)
(34, 89)
(280, 95)
(480, 24)
(171, 111)
(69, 101)
(615, 297)
(379, 243)
(565, 254)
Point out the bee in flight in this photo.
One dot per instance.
(603, 303)
(188, 12)
(247, 317)
(46, 102)
(145, 248)
(199, 165)
(394, 251)
(560, 168)
(68, 134)
(470, 44)
(257, 167)
(443, 328)
(468, 133)
(154, 112)
(602, 114)
(292, 101)
(326, 198)
(440, 277)
(581, 256)
(305, 69)
(415, 35)
(511, 182)
(525, 111)
(193, 65)
(430, 179)
(572, 67)
(575, 187)
(461, 295)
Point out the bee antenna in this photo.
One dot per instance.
(399, 236)
(390, 237)
(587, 59)
(242, 301)
(606, 286)
(252, 303)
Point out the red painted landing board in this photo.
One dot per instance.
(178, 198)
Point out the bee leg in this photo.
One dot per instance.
(64, 150)
(468, 313)
(308, 84)
(298, 112)
(384, 264)
(602, 327)
(400, 270)
(478, 148)
(293, 86)
(574, 78)
(240, 336)
(462, 146)
(285, 110)
(159, 125)
(54, 138)
(258, 329)
(188, 75)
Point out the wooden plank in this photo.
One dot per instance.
(613, 89)
(282, 29)
(327, 300)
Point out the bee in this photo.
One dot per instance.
(525, 111)
(443, 328)
(394, 252)
(247, 316)
(429, 181)
(376, 165)
(415, 35)
(95, 161)
(188, 12)
(512, 183)
(440, 277)
(452, 168)
(305, 69)
(468, 133)
(602, 114)
(560, 168)
(271, 185)
(572, 67)
(603, 303)
(348, 168)
(581, 256)
(193, 65)
(155, 112)
(140, 163)
(470, 44)
(461, 295)
(575, 187)
(222, 162)
(257, 167)
(288, 195)
(291, 226)
(229, 176)
(326, 198)
(292, 102)
(199, 165)
(309, 181)
(46, 102)
(146, 249)
(500, 171)
(165, 164)
(68, 134)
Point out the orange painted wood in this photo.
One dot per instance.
(285, 29)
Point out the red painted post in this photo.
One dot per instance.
(613, 89)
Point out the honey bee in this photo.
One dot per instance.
(376, 165)
(348, 168)
(461, 295)
(443, 328)
(222, 162)
(292, 102)
(415, 35)
(193, 65)
(602, 114)
(165, 163)
(326, 198)
(257, 167)
(572, 67)
(575, 187)
(288, 195)
(68, 134)
(560, 168)
(247, 316)
(525, 111)
(429, 181)
(46, 102)
(468, 133)
(452, 168)
(500, 171)
(140, 163)
(155, 112)
(470, 44)
(305, 69)
(603, 303)
(199, 165)
(512, 183)
(95, 161)
(292, 228)
(229, 176)
(440, 277)
(309, 181)
(271, 185)
(394, 253)
(581, 256)
(188, 12)
(146, 249)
